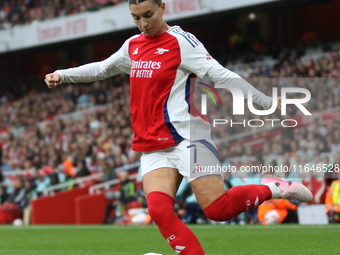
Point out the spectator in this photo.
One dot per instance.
(43, 181)
(30, 194)
(99, 95)
(236, 42)
(193, 213)
(333, 200)
(109, 172)
(82, 169)
(127, 194)
(16, 201)
(6, 188)
(68, 167)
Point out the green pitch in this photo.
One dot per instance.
(136, 240)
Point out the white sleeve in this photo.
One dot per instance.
(194, 56)
(197, 60)
(117, 63)
(220, 75)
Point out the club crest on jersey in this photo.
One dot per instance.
(161, 51)
(135, 52)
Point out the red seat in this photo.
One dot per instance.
(8, 213)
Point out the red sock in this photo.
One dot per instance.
(177, 234)
(236, 200)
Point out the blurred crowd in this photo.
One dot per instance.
(290, 64)
(19, 12)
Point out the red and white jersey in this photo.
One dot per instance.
(162, 76)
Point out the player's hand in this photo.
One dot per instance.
(278, 103)
(52, 80)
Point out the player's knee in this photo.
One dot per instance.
(213, 214)
(160, 206)
(156, 214)
(217, 212)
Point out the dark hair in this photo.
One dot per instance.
(158, 2)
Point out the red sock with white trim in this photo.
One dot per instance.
(177, 234)
(236, 200)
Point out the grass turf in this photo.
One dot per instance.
(137, 240)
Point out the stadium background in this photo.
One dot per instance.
(46, 134)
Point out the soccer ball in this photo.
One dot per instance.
(17, 222)
(152, 253)
(272, 217)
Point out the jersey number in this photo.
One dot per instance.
(195, 152)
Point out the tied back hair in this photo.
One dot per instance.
(158, 2)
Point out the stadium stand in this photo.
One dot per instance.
(14, 13)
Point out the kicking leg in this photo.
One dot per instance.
(219, 205)
(160, 187)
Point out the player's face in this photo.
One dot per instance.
(148, 16)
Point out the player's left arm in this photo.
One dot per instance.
(197, 59)
(221, 75)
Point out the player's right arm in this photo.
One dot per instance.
(117, 63)
(87, 73)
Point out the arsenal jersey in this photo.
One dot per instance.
(162, 73)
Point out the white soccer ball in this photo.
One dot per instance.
(17, 222)
(152, 253)
(272, 217)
